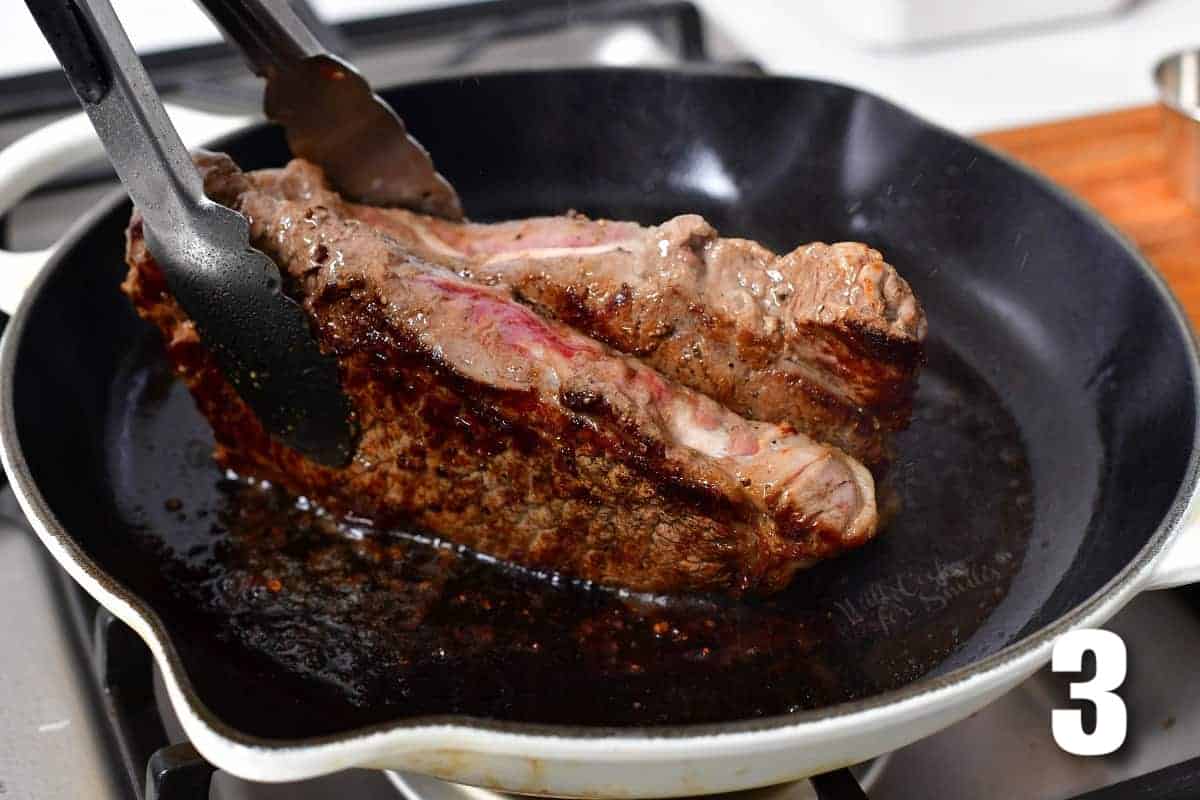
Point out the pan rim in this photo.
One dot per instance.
(634, 742)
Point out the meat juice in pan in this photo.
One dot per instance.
(293, 624)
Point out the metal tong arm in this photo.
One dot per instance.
(329, 112)
(268, 32)
(89, 41)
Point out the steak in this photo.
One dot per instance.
(827, 337)
(497, 428)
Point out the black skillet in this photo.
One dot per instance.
(1051, 458)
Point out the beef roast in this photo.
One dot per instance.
(828, 337)
(494, 427)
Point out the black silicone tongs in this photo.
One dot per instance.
(329, 112)
(261, 339)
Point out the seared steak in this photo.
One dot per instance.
(827, 337)
(494, 427)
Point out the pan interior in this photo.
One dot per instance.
(364, 626)
(1054, 424)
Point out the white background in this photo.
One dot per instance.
(984, 82)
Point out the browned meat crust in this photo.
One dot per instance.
(512, 434)
(828, 337)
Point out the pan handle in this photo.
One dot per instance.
(53, 151)
(1179, 562)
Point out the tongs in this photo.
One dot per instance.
(262, 340)
(329, 112)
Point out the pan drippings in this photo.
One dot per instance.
(294, 624)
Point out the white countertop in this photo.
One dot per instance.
(983, 83)
(970, 85)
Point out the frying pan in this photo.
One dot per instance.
(1036, 307)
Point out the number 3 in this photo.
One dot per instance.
(1111, 718)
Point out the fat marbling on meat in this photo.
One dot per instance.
(828, 337)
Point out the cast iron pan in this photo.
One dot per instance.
(1054, 424)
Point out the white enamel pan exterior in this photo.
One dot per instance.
(574, 763)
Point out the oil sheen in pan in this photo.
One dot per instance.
(292, 625)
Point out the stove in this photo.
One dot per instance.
(82, 710)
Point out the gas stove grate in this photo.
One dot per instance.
(213, 74)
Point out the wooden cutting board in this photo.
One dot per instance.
(1117, 163)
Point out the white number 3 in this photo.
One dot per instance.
(1067, 723)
